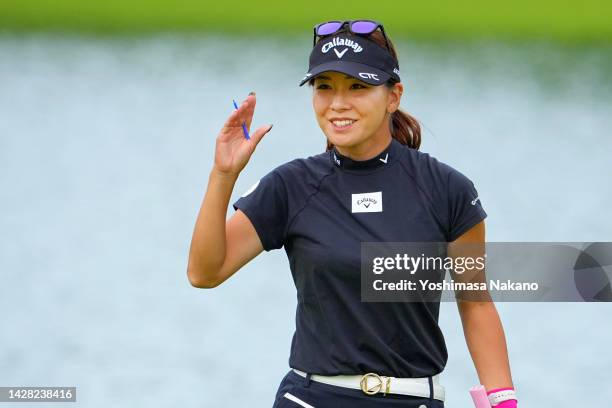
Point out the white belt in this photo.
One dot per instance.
(372, 383)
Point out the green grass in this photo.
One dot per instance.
(576, 21)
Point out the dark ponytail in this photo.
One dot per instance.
(404, 127)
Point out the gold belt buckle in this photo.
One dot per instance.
(372, 389)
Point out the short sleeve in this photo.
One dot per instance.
(465, 208)
(265, 204)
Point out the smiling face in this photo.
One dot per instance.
(354, 115)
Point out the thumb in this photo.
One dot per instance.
(260, 133)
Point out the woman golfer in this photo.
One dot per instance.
(370, 185)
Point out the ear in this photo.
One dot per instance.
(395, 96)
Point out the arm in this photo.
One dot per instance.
(483, 329)
(219, 248)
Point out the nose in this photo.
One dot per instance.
(340, 101)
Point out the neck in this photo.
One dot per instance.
(367, 149)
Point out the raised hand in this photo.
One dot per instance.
(233, 150)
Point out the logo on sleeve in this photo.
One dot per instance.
(367, 202)
(250, 190)
(474, 200)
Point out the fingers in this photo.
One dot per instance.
(235, 118)
(250, 109)
(259, 134)
(244, 114)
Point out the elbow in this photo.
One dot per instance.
(204, 285)
(201, 281)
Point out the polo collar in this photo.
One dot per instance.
(384, 158)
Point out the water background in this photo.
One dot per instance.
(105, 149)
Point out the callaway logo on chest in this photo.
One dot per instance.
(367, 202)
(341, 42)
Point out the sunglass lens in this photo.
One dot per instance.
(363, 27)
(328, 28)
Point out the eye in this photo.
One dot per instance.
(353, 86)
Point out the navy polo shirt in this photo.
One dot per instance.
(321, 208)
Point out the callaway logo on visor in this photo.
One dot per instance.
(356, 56)
(342, 43)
